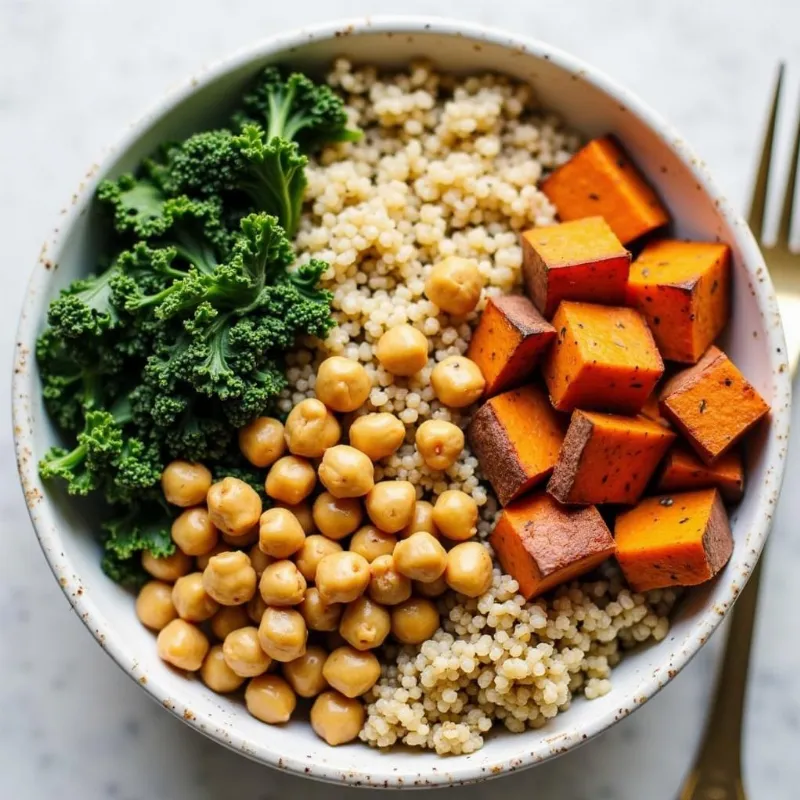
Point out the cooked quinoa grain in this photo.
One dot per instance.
(498, 658)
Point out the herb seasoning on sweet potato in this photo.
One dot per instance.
(601, 180)
(603, 358)
(607, 458)
(508, 342)
(541, 543)
(683, 470)
(712, 404)
(683, 291)
(580, 260)
(516, 437)
(673, 540)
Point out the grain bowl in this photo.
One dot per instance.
(380, 214)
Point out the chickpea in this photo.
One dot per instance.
(342, 384)
(234, 506)
(439, 443)
(346, 472)
(337, 719)
(229, 619)
(282, 584)
(304, 674)
(243, 653)
(469, 569)
(350, 671)
(270, 699)
(377, 435)
(217, 675)
(422, 520)
(193, 531)
(421, 557)
(167, 568)
(365, 624)
(415, 620)
(337, 517)
(456, 515)
(256, 608)
(182, 644)
(154, 605)
(261, 442)
(282, 634)
(457, 382)
(433, 589)
(454, 285)
(290, 480)
(302, 512)
(191, 600)
(390, 504)
(387, 586)
(342, 577)
(319, 615)
(280, 533)
(314, 549)
(185, 483)
(202, 561)
(243, 540)
(259, 560)
(402, 350)
(371, 543)
(311, 429)
(230, 578)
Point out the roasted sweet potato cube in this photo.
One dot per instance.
(579, 260)
(601, 180)
(712, 404)
(509, 339)
(683, 290)
(683, 471)
(603, 358)
(516, 437)
(673, 540)
(607, 458)
(542, 544)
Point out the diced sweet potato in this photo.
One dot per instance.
(579, 260)
(516, 437)
(601, 180)
(606, 458)
(673, 540)
(683, 470)
(603, 358)
(683, 290)
(652, 411)
(509, 339)
(712, 404)
(542, 544)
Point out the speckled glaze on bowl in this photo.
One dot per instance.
(591, 103)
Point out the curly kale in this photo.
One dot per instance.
(180, 336)
(294, 108)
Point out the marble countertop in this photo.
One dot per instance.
(72, 74)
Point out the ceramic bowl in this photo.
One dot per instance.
(594, 105)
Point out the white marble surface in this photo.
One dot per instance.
(72, 73)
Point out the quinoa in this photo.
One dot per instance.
(449, 166)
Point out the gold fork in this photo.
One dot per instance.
(717, 773)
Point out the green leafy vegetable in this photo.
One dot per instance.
(179, 337)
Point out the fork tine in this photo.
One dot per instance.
(785, 225)
(758, 203)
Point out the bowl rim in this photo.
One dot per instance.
(452, 771)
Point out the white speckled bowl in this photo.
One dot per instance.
(594, 105)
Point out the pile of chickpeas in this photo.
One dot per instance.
(297, 597)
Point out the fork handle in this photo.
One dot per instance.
(716, 775)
